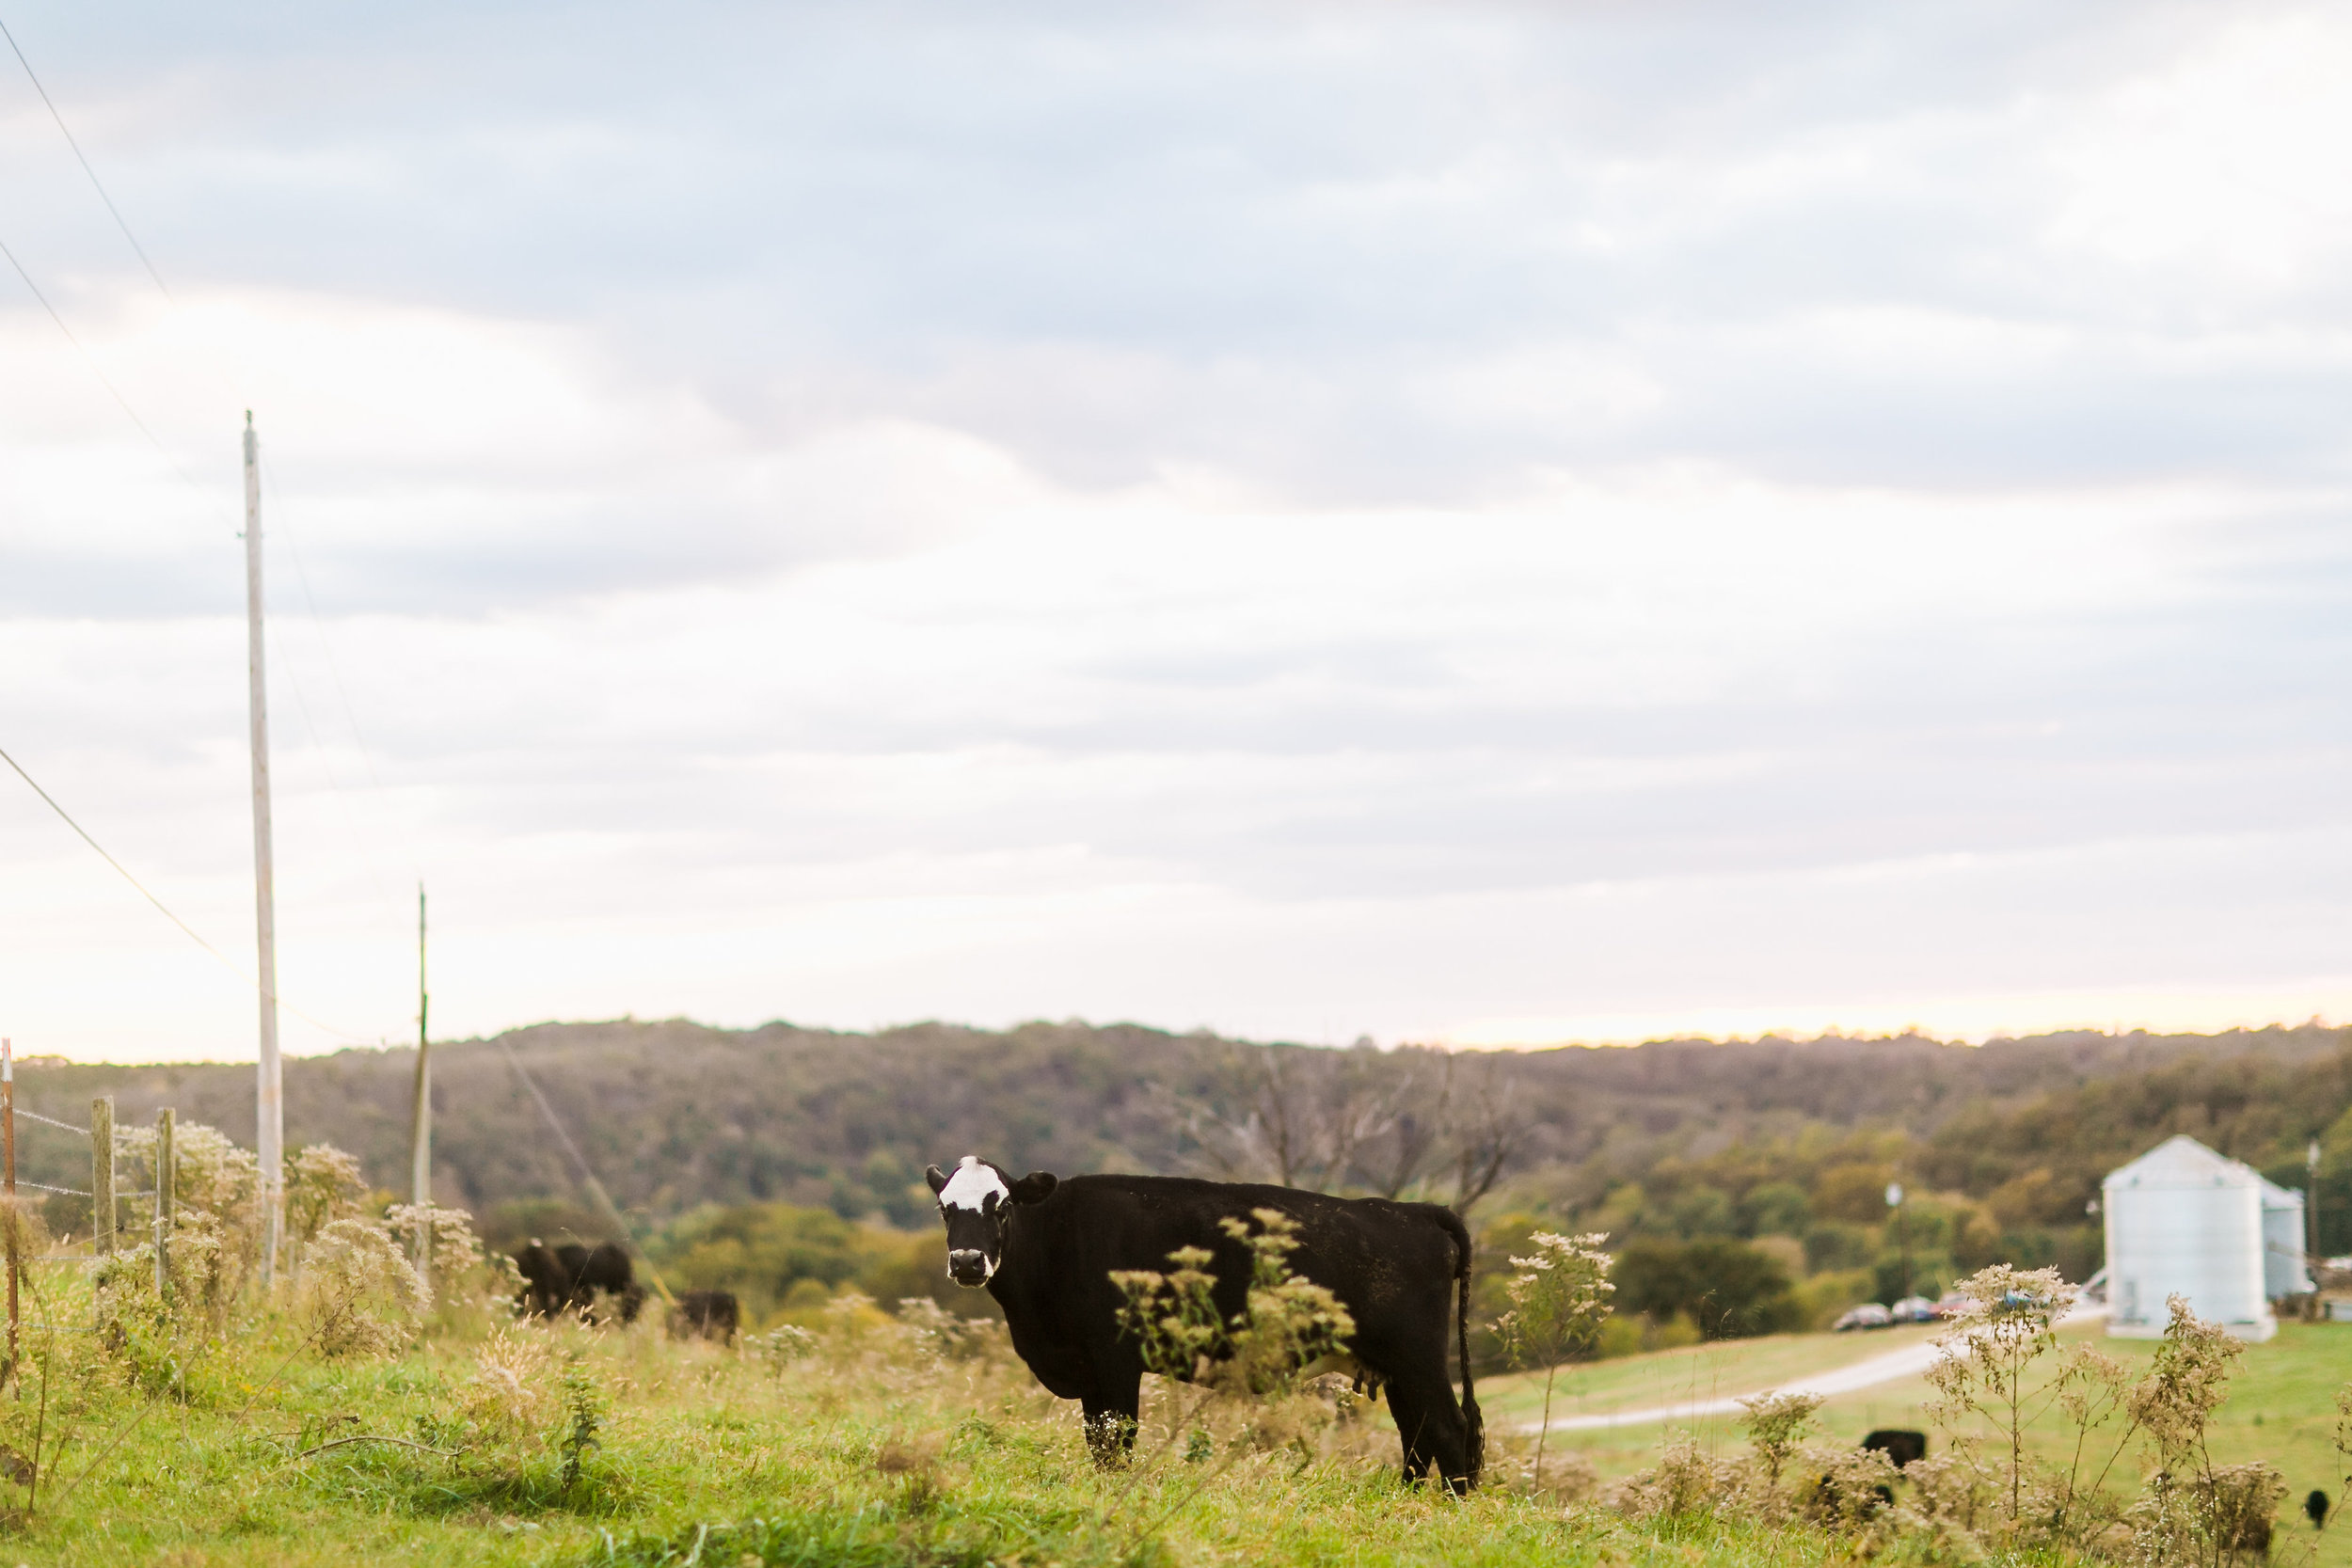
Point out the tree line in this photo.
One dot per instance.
(1781, 1148)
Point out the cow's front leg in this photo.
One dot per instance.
(1112, 1412)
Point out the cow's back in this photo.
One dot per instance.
(1393, 1264)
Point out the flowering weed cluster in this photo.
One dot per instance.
(1990, 1491)
(1559, 1299)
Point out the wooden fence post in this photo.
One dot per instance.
(7, 1151)
(166, 1203)
(101, 1174)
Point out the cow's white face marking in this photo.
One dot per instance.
(970, 1186)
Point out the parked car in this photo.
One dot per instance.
(1868, 1315)
(1913, 1310)
(1951, 1305)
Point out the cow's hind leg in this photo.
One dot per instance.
(1431, 1425)
(1112, 1412)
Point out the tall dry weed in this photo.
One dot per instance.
(360, 1297)
(2006, 1324)
(1559, 1300)
(453, 1257)
(509, 1400)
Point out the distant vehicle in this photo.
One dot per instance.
(1868, 1315)
(1950, 1304)
(1913, 1310)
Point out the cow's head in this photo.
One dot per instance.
(976, 1202)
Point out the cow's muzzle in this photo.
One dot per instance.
(969, 1266)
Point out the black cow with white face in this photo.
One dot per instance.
(1045, 1249)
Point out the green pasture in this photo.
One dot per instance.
(2282, 1405)
(871, 1451)
(864, 1452)
(1716, 1369)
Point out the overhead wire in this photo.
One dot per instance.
(91, 361)
(165, 909)
(79, 347)
(587, 1173)
(82, 158)
(335, 679)
(318, 625)
(335, 673)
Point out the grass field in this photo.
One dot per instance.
(881, 1445)
(875, 1449)
(1722, 1369)
(2282, 1405)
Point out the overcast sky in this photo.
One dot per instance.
(1491, 524)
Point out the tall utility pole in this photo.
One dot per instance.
(269, 1096)
(420, 1118)
(7, 1153)
(2311, 1162)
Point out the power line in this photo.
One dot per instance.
(318, 625)
(335, 676)
(587, 1173)
(226, 962)
(91, 361)
(121, 222)
(96, 183)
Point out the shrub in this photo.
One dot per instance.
(324, 1185)
(1823, 1299)
(1776, 1209)
(216, 1240)
(1728, 1289)
(360, 1297)
(1686, 1483)
(1774, 1423)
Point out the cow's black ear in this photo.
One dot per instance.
(937, 1178)
(1036, 1187)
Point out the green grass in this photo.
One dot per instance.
(870, 1453)
(1722, 1369)
(877, 1454)
(2281, 1406)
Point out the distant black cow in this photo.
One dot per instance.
(547, 1283)
(1045, 1249)
(575, 1258)
(606, 1268)
(2315, 1509)
(569, 1278)
(1899, 1447)
(1828, 1502)
(706, 1315)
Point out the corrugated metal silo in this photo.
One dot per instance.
(2283, 1274)
(2182, 1220)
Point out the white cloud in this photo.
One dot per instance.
(1409, 522)
(2226, 164)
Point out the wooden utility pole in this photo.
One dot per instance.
(2310, 1164)
(167, 1202)
(269, 1097)
(421, 1116)
(8, 1154)
(101, 1174)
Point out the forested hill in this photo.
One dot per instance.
(675, 1116)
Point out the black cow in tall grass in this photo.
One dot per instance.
(1045, 1249)
(569, 1279)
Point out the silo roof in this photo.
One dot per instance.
(2181, 1161)
(2276, 1196)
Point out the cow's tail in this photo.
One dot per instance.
(1474, 1424)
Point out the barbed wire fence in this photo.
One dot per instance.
(106, 1140)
